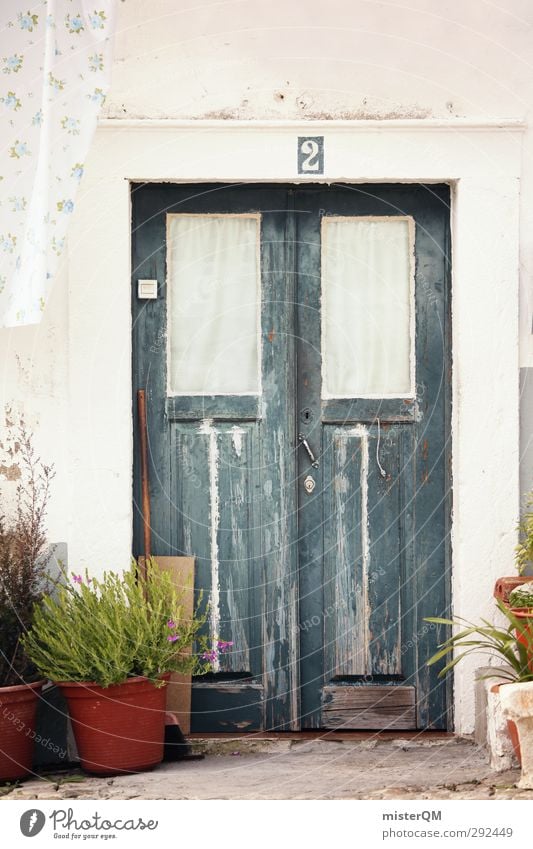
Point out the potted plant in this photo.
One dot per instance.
(521, 604)
(512, 642)
(521, 598)
(523, 555)
(110, 644)
(23, 580)
(517, 705)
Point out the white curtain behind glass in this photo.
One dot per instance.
(213, 294)
(366, 298)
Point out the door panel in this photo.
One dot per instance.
(363, 541)
(322, 592)
(199, 451)
(373, 534)
(222, 475)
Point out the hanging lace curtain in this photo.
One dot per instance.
(55, 61)
(214, 294)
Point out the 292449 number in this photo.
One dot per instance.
(486, 831)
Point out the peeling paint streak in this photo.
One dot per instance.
(237, 434)
(207, 428)
(365, 535)
(358, 430)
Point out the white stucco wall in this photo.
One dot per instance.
(349, 59)
(34, 384)
(298, 61)
(310, 59)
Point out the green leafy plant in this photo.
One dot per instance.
(524, 549)
(522, 596)
(24, 575)
(108, 630)
(490, 639)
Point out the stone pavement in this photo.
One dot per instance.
(449, 768)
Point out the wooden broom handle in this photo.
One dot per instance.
(145, 494)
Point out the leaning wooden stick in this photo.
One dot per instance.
(145, 494)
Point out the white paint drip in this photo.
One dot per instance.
(357, 430)
(207, 428)
(237, 434)
(365, 530)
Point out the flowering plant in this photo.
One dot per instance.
(107, 630)
(219, 647)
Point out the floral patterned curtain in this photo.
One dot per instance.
(55, 61)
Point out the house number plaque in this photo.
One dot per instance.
(310, 154)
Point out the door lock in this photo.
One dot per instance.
(309, 484)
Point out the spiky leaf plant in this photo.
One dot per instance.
(487, 638)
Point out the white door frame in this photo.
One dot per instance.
(481, 161)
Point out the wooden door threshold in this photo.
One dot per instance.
(341, 736)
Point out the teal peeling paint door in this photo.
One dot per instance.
(295, 361)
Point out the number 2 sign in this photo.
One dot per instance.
(310, 154)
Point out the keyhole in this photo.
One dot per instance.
(306, 415)
(309, 484)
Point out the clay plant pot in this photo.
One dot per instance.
(118, 729)
(517, 705)
(515, 739)
(526, 635)
(504, 586)
(18, 706)
(511, 727)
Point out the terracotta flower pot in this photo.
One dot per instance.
(118, 729)
(515, 739)
(517, 705)
(511, 727)
(18, 706)
(526, 635)
(504, 586)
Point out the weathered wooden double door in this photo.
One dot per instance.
(296, 365)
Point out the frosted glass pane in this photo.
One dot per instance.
(213, 301)
(367, 309)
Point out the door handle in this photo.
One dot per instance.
(303, 441)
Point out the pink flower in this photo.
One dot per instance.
(77, 579)
(172, 638)
(171, 623)
(224, 645)
(211, 656)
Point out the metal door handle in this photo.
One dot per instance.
(303, 441)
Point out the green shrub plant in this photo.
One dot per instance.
(522, 596)
(524, 549)
(120, 626)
